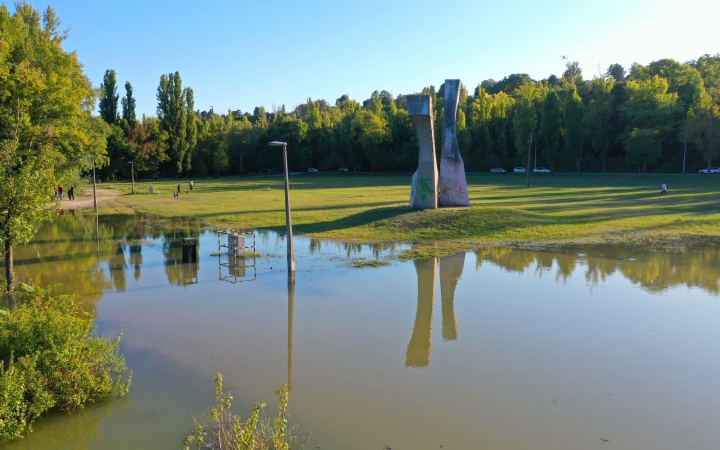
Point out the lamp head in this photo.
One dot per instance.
(278, 144)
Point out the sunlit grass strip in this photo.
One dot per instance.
(364, 208)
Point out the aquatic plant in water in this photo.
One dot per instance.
(224, 430)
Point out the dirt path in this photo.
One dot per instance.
(86, 201)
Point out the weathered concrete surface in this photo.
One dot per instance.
(425, 182)
(452, 186)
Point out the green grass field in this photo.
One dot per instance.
(556, 210)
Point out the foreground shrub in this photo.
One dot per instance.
(223, 430)
(50, 359)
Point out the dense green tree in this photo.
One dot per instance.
(243, 138)
(260, 118)
(370, 129)
(46, 127)
(617, 72)
(501, 124)
(703, 125)
(573, 72)
(128, 105)
(599, 111)
(175, 111)
(286, 128)
(120, 153)
(709, 68)
(109, 98)
(509, 84)
(574, 121)
(479, 117)
(525, 119)
(550, 124)
(642, 148)
(650, 106)
(146, 153)
(682, 79)
(210, 156)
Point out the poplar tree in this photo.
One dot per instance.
(109, 98)
(177, 117)
(574, 118)
(550, 124)
(128, 105)
(599, 111)
(525, 119)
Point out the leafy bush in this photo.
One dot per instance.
(223, 430)
(50, 359)
(75, 178)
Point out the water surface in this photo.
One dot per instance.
(496, 348)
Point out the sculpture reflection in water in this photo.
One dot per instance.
(451, 267)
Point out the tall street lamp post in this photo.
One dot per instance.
(94, 190)
(288, 222)
(132, 175)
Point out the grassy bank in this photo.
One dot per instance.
(556, 210)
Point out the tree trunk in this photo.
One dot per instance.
(604, 167)
(709, 164)
(577, 166)
(9, 269)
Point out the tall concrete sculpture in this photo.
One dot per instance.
(425, 180)
(452, 187)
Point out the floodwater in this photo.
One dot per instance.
(491, 349)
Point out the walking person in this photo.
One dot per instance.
(663, 188)
(191, 184)
(178, 189)
(71, 192)
(56, 195)
(61, 191)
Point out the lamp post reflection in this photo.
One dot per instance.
(291, 314)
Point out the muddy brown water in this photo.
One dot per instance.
(496, 348)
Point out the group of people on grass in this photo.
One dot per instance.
(176, 193)
(60, 193)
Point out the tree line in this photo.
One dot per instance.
(651, 117)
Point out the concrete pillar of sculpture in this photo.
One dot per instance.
(425, 181)
(452, 187)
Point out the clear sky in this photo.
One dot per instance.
(240, 54)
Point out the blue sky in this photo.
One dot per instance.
(240, 54)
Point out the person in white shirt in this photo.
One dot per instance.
(663, 188)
